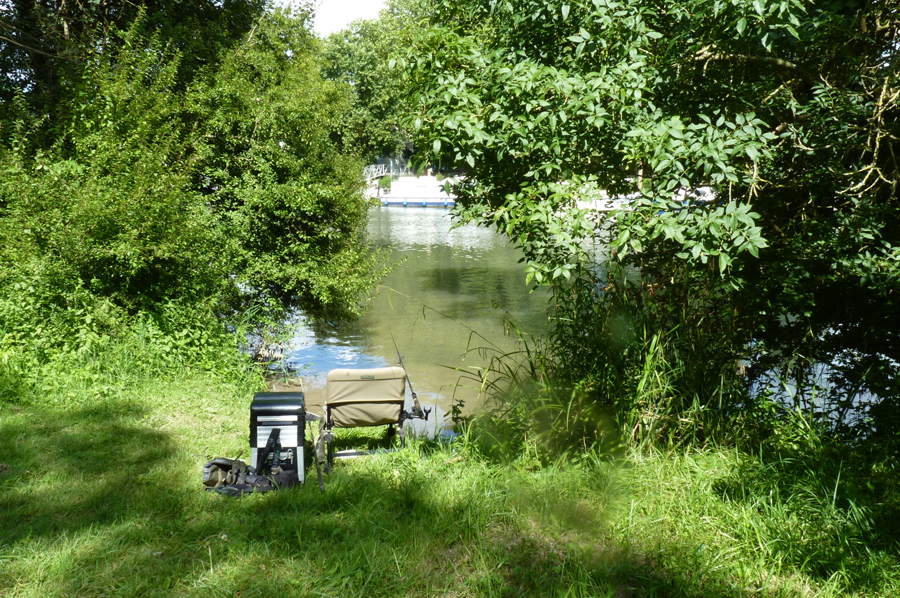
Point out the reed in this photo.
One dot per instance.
(612, 367)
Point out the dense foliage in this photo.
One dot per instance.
(361, 56)
(755, 143)
(161, 164)
(44, 43)
(271, 166)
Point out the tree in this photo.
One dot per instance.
(786, 111)
(141, 190)
(288, 197)
(43, 43)
(104, 223)
(361, 56)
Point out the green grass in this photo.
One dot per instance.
(103, 498)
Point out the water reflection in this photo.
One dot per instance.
(451, 292)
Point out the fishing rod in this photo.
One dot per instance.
(417, 408)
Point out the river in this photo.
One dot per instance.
(451, 293)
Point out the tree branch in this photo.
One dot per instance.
(29, 48)
(705, 55)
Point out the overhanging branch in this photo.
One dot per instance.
(706, 55)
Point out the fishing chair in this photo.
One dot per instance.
(358, 398)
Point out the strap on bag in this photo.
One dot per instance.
(262, 459)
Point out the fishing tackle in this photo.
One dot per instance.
(418, 412)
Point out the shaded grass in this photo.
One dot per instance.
(103, 498)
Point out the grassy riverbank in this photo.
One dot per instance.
(103, 497)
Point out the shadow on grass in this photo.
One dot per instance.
(378, 438)
(99, 503)
(66, 464)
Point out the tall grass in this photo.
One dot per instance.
(619, 381)
(615, 365)
(76, 362)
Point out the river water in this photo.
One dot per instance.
(451, 293)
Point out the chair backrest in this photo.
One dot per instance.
(364, 397)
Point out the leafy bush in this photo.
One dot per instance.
(750, 148)
(155, 213)
(107, 210)
(288, 199)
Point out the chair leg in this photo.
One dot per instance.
(319, 473)
(330, 464)
(323, 451)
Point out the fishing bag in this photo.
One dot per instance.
(221, 471)
(232, 477)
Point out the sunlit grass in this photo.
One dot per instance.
(103, 498)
